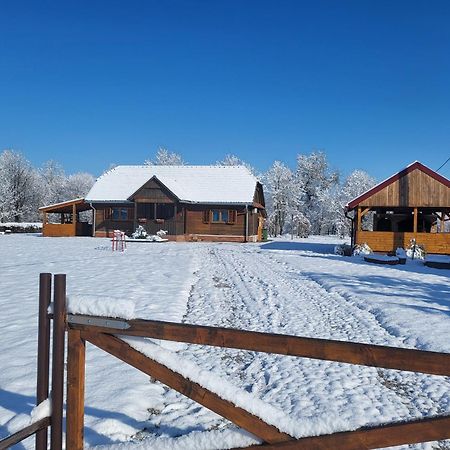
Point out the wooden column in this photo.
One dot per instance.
(415, 221)
(43, 353)
(74, 219)
(75, 391)
(358, 224)
(59, 315)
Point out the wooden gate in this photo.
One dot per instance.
(102, 332)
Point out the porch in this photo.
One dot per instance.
(64, 220)
(386, 229)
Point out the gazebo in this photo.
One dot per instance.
(411, 204)
(63, 219)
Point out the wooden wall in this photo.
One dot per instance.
(195, 225)
(59, 229)
(386, 241)
(104, 225)
(153, 192)
(413, 189)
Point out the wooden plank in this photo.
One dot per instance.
(330, 350)
(194, 391)
(425, 430)
(23, 434)
(59, 313)
(75, 390)
(43, 353)
(416, 212)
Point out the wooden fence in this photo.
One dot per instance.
(102, 332)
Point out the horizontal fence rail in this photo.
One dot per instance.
(425, 430)
(25, 433)
(433, 363)
(194, 391)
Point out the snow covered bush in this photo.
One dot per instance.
(415, 250)
(362, 249)
(343, 250)
(140, 233)
(161, 233)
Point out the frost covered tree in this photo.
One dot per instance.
(18, 192)
(56, 186)
(313, 177)
(278, 190)
(233, 160)
(354, 185)
(52, 183)
(78, 184)
(164, 157)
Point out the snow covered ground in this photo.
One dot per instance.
(297, 287)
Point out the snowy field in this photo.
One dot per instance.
(297, 287)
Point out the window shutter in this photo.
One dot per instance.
(231, 216)
(107, 213)
(206, 215)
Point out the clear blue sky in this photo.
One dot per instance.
(94, 83)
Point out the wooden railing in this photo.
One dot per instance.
(55, 422)
(102, 332)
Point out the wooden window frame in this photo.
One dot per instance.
(230, 219)
(119, 219)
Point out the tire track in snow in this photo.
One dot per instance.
(242, 287)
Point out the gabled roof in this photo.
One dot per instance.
(193, 184)
(416, 165)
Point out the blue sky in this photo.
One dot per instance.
(94, 83)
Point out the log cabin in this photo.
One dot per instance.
(411, 204)
(191, 203)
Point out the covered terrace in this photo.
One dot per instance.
(63, 219)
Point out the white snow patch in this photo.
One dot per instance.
(227, 391)
(21, 421)
(101, 306)
(197, 440)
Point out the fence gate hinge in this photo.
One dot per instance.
(98, 322)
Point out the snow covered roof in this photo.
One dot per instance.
(194, 184)
(416, 165)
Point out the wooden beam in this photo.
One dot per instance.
(424, 430)
(74, 219)
(75, 391)
(415, 220)
(26, 432)
(365, 211)
(330, 350)
(194, 391)
(59, 313)
(359, 217)
(43, 353)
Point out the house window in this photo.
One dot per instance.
(119, 214)
(223, 216)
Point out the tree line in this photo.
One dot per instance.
(24, 188)
(308, 199)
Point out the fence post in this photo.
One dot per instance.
(59, 313)
(75, 391)
(43, 354)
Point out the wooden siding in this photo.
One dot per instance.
(195, 225)
(259, 195)
(104, 225)
(415, 189)
(153, 192)
(386, 241)
(59, 229)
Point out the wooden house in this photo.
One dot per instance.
(412, 204)
(223, 203)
